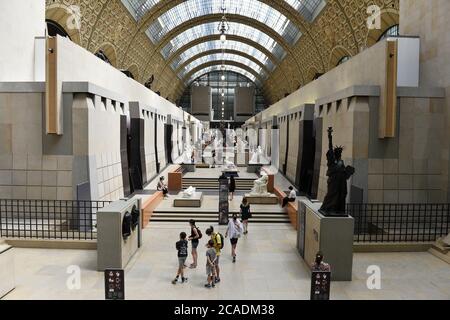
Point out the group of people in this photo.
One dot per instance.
(235, 229)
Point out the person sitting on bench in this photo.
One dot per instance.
(162, 187)
(291, 198)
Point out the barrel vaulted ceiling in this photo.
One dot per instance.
(281, 45)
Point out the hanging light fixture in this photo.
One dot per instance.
(223, 26)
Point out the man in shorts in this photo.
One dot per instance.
(182, 248)
(210, 264)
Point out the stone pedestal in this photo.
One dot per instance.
(7, 279)
(254, 168)
(113, 251)
(188, 167)
(261, 199)
(333, 236)
(194, 201)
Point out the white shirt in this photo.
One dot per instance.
(234, 229)
(292, 194)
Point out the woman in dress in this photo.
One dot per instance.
(245, 214)
(232, 187)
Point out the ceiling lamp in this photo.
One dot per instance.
(222, 77)
(223, 25)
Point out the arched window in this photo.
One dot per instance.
(54, 28)
(342, 60)
(393, 31)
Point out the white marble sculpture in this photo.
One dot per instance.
(189, 192)
(229, 165)
(446, 240)
(256, 155)
(187, 154)
(260, 186)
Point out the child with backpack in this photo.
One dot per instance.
(196, 234)
(218, 241)
(182, 248)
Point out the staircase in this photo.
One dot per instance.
(208, 183)
(441, 250)
(212, 217)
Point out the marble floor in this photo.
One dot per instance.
(268, 267)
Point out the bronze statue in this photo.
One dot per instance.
(338, 174)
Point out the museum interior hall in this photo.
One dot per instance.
(305, 143)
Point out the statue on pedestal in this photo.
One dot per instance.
(338, 174)
(229, 165)
(257, 155)
(187, 154)
(189, 192)
(260, 186)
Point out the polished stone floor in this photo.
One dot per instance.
(268, 267)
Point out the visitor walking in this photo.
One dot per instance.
(194, 238)
(217, 239)
(210, 264)
(234, 230)
(182, 248)
(162, 187)
(232, 187)
(291, 197)
(245, 214)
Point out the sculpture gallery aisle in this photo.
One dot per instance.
(268, 267)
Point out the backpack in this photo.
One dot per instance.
(200, 235)
(222, 240)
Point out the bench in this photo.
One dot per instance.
(291, 207)
(149, 205)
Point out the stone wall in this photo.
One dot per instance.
(25, 172)
(429, 20)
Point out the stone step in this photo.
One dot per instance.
(187, 215)
(207, 219)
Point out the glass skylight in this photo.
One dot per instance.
(249, 8)
(216, 45)
(220, 57)
(309, 9)
(238, 29)
(138, 8)
(206, 70)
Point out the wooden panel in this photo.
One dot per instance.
(175, 179)
(389, 114)
(52, 125)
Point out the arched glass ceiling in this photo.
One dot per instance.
(217, 44)
(238, 29)
(138, 8)
(192, 9)
(309, 9)
(228, 68)
(219, 57)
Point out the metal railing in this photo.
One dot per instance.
(49, 219)
(400, 222)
